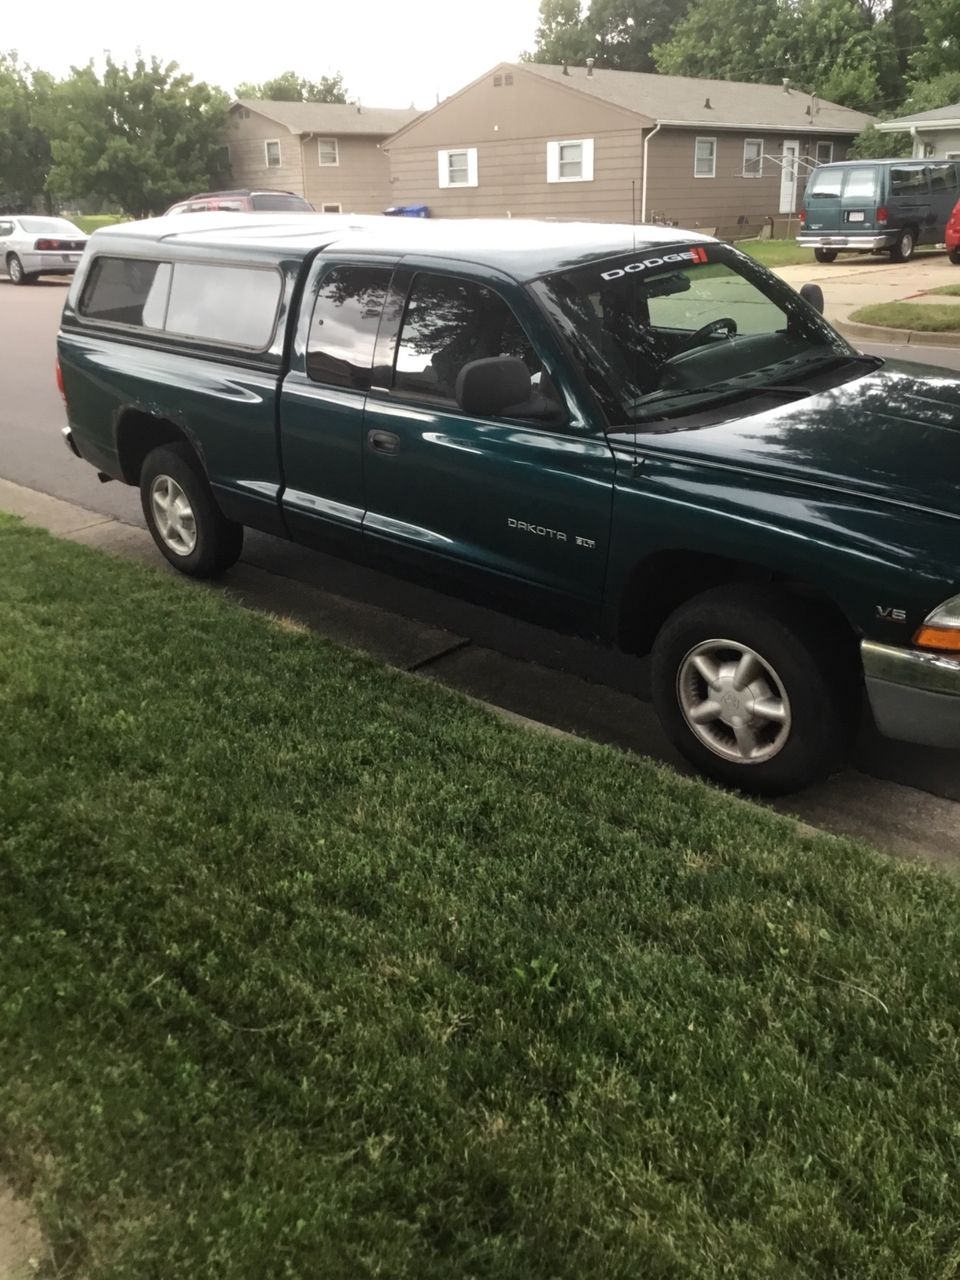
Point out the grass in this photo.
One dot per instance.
(91, 222)
(926, 318)
(951, 290)
(776, 253)
(313, 969)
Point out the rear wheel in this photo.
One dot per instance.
(754, 689)
(182, 514)
(825, 255)
(955, 256)
(16, 271)
(904, 249)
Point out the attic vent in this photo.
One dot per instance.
(508, 78)
(243, 114)
(497, 81)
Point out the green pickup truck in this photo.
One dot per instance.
(635, 434)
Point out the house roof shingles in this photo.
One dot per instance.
(334, 118)
(680, 100)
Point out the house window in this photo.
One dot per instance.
(272, 151)
(824, 153)
(328, 152)
(458, 168)
(705, 158)
(753, 158)
(570, 161)
(243, 113)
(330, 208)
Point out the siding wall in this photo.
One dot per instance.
(248, 164)
(360, 183)
(943, 140)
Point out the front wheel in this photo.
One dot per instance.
(825, 255)
(754, 690)
(182, 514)
(903, 250)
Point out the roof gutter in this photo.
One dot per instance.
(791, 130)
(643, 187)
(906, 126)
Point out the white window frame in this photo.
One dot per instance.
(713, 167)
(328, 164)
(816, 153)
(328, 206)
(267, 143)
(586, 159)
(443, 167)
(744, 172)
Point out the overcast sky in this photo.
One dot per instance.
(391, 52)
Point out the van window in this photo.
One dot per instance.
(233, 305)
(943, 177)
(343, 329)
(861, 183)
(126, 291)
(825, 182)
(908, 182)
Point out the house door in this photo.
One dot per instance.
(788, 177)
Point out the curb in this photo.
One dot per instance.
(879, 333)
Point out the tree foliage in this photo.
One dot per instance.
(289, 87)
(24, 142)
(141, 136)
(619, 34)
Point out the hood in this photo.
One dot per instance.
(892, 436)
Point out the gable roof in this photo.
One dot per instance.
(945, 117)
(680, 100)
(334, 118)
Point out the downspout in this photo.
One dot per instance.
(643, 187)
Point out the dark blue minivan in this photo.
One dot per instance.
(877, 206)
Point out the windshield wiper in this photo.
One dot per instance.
(719, 390)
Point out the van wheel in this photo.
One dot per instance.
(825, 255)
(182, 514)
(903, 250)
(754, 689)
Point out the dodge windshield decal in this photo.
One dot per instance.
(690, 255)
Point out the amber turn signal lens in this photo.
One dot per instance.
(943, 638)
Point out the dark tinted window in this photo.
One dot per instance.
(447, 323)
(908, 182)
(126, 291)
(943, 177)
(343, 330)
(233, 305)
(280, 203)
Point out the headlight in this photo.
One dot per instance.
(941, 629)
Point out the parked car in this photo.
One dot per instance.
(952, 238)
(243, 201)
(37, 246)
(639, 435)
(878, 206)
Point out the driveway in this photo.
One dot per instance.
(903, 798)
(858, 281)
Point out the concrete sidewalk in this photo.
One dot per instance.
(904, 820)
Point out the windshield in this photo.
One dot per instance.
(280, 203)
(49, 227)
(661, 334)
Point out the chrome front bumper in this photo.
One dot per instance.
(865, 243)
(914, 696)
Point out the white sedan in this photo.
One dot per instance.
(34, 246)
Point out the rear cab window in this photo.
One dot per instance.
(216, 303)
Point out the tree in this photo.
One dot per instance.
(871, 144)
(289, 87)
(141, 137)
(939, 21)
(617, 33)
(24, 145)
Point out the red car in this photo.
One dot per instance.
(953, 235)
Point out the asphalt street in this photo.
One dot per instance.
(902, 797)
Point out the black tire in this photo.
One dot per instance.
(16, 272)
(811, 673)
(955, 256)
(905, 247)
(825, 255)
(217, 541)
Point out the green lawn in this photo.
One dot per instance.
(776, 253)
(951, 290)
(91, 222)
(926, 318)
(312, 969)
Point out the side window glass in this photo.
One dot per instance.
(908, 182)
(941, 178)
(343, 328)
(447, 324)
(6, 228)
(126, 291)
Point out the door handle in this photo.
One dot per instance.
(383, 441)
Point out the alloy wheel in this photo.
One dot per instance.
(173, 515)
(734, 702)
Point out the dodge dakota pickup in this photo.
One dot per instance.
(637, 434)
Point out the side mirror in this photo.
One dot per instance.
(488, 387)
(813, 294)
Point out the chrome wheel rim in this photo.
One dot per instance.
(906, 245)
(734, 702)
(16, 269)
(173, 515)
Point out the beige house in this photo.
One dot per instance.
(329, 153)
(934, 133)
(531, 140)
